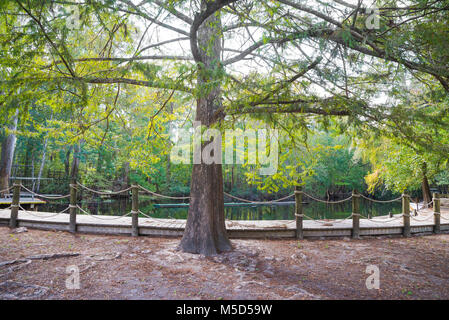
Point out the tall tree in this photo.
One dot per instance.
(205, 229)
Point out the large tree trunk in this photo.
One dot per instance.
(6, 159)
(427, 197)
(76, 162)
(205, 231)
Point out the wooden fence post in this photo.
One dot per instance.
(355, 215)
(73, 199)
(15, 204)
(299, 216)
(436, 212)
(135, 211)
(406, 215)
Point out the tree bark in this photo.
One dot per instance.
(205, 231)
(75, 162)
(67, 161)
(41, 168)
(427, 196)
(126, 174)
(168, 165)
(7, 155)
(232, 176)
(29, 154)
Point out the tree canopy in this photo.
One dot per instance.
(120, 76)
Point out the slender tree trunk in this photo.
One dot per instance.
(28, 157)
(232, 176)
(67, 161)
(205, 231)
(427, 196)
(75, 162)
(126, 174)
(100, 159)
(41, 168)
(168, 171)
(7, 155)
(33, 181)
(168, 165)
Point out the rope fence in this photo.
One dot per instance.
(381, 201)
(44, 196)
(333, 221)
(161, 195)
(100, 217)
(42, 216)
(258, 202)
(324, 201)
(6, 190)
(103, 193)
(383, 220)
(355, 197)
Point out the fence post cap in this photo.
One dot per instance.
(355, 193)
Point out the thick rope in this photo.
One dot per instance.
(6, 190)
(44, 196)
(40, 216)
(258, 202)
(324, 201)
(334, 221)
(380, 201)
(424, 206)
(225, 193)
(425, 219)
(161, 195)
(101, 218)
(109, 193)
(166, 220)
(382, 221)
(342, 220)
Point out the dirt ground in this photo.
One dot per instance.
(114, 267)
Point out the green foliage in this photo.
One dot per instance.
(104, 92)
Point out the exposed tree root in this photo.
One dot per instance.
(40, 257)
(105, 256)
(13, 290)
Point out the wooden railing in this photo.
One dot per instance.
(299, 211)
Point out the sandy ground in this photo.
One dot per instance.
(114, 267)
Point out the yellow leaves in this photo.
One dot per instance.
(373, 180)
(144, 160)
(338, 147)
